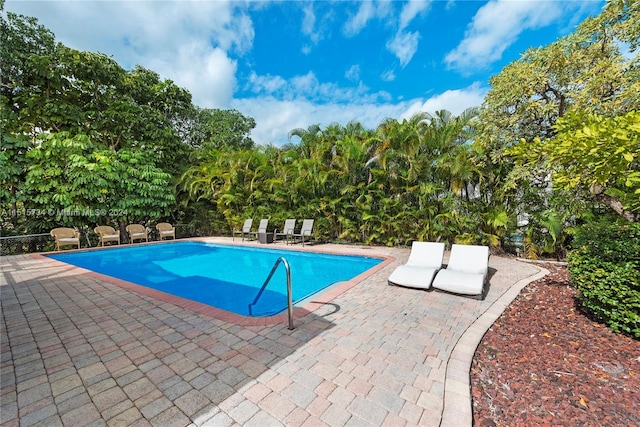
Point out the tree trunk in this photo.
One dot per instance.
(616, 205)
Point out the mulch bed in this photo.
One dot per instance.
(544, 362)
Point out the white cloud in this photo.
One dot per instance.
(308, 87)
(266, 84)
(383, 10)
(455, 101)
(209, 74)
(367, 11)
(187, 42)
(495, 27)
(353, 73)
(412, 9)
(309, 22)
(404, 45)
(275, 118)
(388, 76)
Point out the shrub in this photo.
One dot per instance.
(605, 268)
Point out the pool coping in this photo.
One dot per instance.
(307, 307)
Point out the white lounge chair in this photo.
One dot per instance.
(305, 231)
(424, 262)
(246, 229)
(262, 228)
(287, 231)
(466, 272)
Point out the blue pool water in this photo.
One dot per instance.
(226, 277)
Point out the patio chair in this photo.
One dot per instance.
(467, 271)
(424, 262)
(262, 229)
(107, 234)
(65, 236)
(287, 231)
(137, 232)
(246, 229)
(165, 230)
(305, 231)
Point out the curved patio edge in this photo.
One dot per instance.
(457, 410)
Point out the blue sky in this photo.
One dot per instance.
(292, 64)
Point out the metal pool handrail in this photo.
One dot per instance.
(289, 292)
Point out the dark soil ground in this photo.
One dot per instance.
(544, 362)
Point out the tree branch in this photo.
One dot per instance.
(614, 204)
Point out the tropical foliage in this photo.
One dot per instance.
(605, 267)
(96, 182)
(546, 108)
(593, 153)
(405, 180)
(86, 142)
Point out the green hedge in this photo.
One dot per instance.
(605, 268)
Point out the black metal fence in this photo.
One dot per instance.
(32, 243)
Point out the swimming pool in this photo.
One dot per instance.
(223, 276)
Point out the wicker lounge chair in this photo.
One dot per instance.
(466, 272)
(424, 262)
(165, 231)
(137, 232)
(65, 236)
(246, 229)
(107, 234)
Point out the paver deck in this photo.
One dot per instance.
(81, 350)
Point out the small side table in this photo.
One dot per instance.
(265, 237)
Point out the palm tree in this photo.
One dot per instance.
(451, 138)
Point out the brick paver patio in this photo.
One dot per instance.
(82, 350)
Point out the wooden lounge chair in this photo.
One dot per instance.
(466, 272)
(287, 231)
(65, 236)
(107, 234)
(246, 229)
(165, 231)
(424, 262)
(137, 232)
(305, 231)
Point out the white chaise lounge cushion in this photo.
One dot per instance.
(459, 282)
(424, 262)
(466, 272)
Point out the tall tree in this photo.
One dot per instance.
(582, 72)
(81, 134)
(74, 181)
(215, 128)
